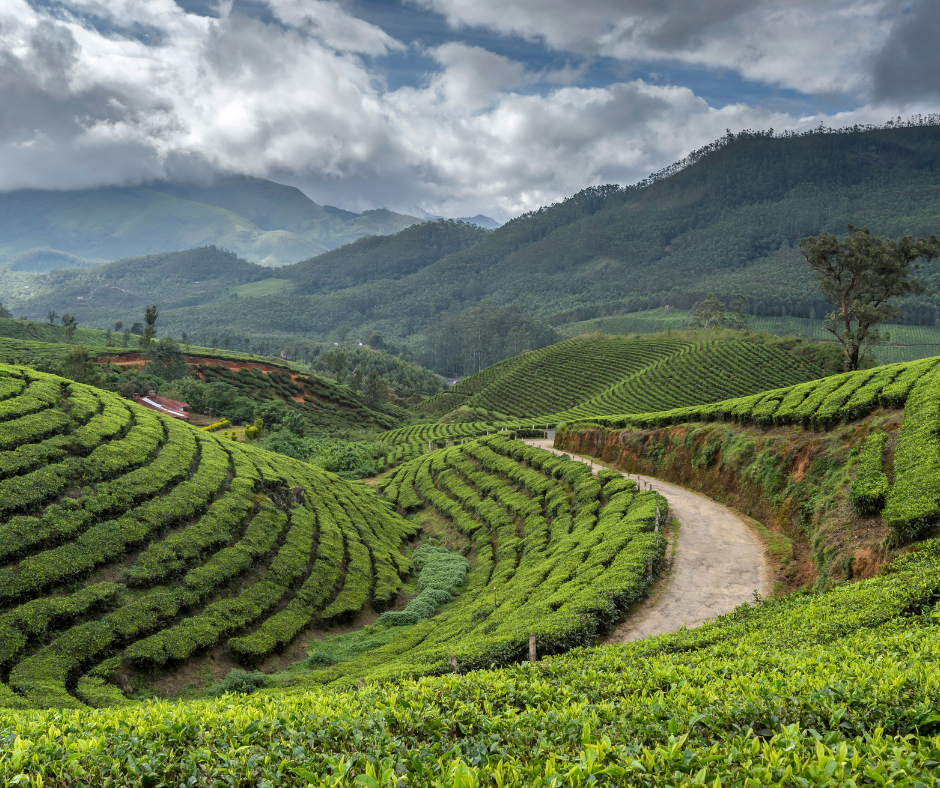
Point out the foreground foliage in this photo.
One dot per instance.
(835, 689)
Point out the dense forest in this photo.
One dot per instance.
(725, 220)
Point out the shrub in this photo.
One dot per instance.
(239, 682)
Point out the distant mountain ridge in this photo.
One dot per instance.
(728, 222)
(261, 221)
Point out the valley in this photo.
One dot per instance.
(250, 534)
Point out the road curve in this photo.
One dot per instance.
(719, 563)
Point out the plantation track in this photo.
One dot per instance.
(718, 565)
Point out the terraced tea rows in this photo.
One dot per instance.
(700, 373)
(597, 375)
(849, 676)
(128, 536)
(558, 552)
(817, 404)
(556, 377)
(911, 506)
(650, 374)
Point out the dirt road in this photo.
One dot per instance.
(718, 564)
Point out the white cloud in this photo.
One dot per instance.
(800, 44)
(298, 100)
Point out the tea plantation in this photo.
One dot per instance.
(599, 375)
(559, 553)
(126, 535)
(834, 689)
(132, 542)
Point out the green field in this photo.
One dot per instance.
(907, 342)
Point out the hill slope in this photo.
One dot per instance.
(323, 404)
(124, 532)
(260, 220)
(728, 222)
(215, 278)
(597, 374)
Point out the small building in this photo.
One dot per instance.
(168, 407)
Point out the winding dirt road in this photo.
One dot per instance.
(718, 564)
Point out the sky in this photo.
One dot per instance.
(446, 107)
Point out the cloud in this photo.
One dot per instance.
(156, 92)
(473, 77)
(907, 68)
(799, 44)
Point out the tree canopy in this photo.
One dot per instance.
(859, 275)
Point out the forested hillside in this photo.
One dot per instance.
(725, 220)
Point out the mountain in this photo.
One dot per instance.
(726, 220)
(262, 221)
(480, 221)
(183, 279)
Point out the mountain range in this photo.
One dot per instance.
(261, 221)
(726, 220)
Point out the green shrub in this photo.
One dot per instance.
(239, 682)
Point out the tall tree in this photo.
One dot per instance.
(376, 389)
(51, 316)
(151, 313)
(710, 314)
(336, 361)
(70, 323)
(738, 316)
(859, 275)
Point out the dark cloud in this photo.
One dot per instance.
(907, 70)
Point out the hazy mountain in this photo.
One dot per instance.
(261, 221)
(481, 221)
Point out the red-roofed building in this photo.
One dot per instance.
(168, 407)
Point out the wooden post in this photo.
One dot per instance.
(532, 653)
(453, 663)
(657, 518)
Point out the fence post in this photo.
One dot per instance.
(657, 518)
(532, 653)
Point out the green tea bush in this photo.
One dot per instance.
(871, 484)
(176, 519)
(441, 575)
